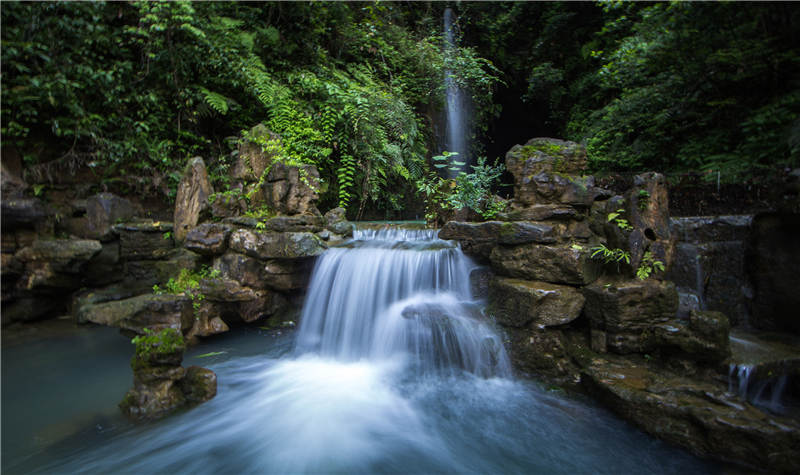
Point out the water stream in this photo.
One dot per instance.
(456, 102)
(394, 369)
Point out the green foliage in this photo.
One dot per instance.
(468, 190)
(609, 256)
(168, 340)
(648, 266)
(643, 198)
(621, 223)
(187, 283)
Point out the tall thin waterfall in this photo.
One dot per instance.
(457, 129)
(399, 293)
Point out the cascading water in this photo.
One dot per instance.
(399, 293)
(394, 369)
(457, 102)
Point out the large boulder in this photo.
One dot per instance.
(291, 189)
(622, 315)
(276, 274)
(522, 303)
(266, 245)
(253, 157)
(336, 222)
(145, 240)
(155, 312)
(103, 210)
(208, 239)
(562, 264)
(191, 202)
(518, 232)
(150, 272)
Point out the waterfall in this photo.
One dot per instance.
(399, 293)
(456, 136)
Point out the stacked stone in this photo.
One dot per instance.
(540, 252)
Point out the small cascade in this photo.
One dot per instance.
(457, 102)
(399, 293)
(764, 391)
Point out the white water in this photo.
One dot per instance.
(394, 370)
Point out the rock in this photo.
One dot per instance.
(105, 267)
(276, 245)
(118, 291)
(252, 159)
(150, 272)
(277, 274)
(144, 311)
(543, 352)
(518, 232)
(207, 321)
(648, 212)
(208, 239)
(62, 255)
(627, 311)
(291, 189)
(521, 303)
(704, 229)
(25, 309)
(479, 282)
(772, 264)
(199, 384)
(191, 202)
(561, 264)
(103, 210)
(336, 222)
(229, 204)
(542, 212)
(227, 290)
(715, 273)
(268, 304)
(700, 416)
(546, 155)
(144, 240)
(152, 401)
(24, 212)
(301, 223)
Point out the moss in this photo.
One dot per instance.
(168, 340)
(547, 148)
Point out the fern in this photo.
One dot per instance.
(216, 101)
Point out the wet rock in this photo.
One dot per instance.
(276, 245)
(336, 222)
(703, 229)
(191, 201)
(518, 232)
(479, 278)
(543, 352)
(622, 314)
(144, 240)
(700, 416)
(103, 210)
(561, 264)
(208, 239)
(26, 309)
(199, 384)
(522, 303)
(144, 311)
(772, 263)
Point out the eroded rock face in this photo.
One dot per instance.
(336, 222)
(144, 240)
(622, 314)
(276, 245)
(191, 202)
(103, 210)
(208, 239)
(160, 384)
(518, 232)
(700, 416)
(523, 303)
(561, 264)
(143, 311)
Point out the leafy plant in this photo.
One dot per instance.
(648, 266)
(621, 223)
(187, 284)
(644, 197)
(609, 256)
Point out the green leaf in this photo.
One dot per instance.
(213, 353)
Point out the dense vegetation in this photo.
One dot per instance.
(132, 90)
